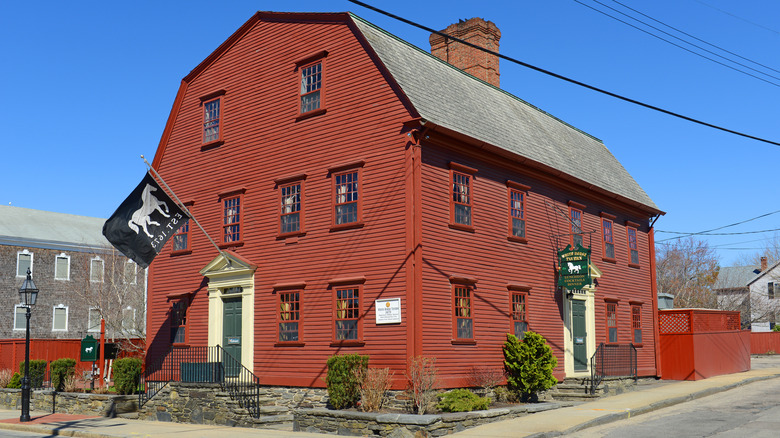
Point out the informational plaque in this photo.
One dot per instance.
(388, 311)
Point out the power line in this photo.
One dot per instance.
(694, 37)
(714, 234)
(564, 78)
(679, 46)
(709, 232)
(738, 17)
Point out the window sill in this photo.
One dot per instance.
(461, 227)
(638, 345)
(608, 260)
(289, 344)
(517, 239)
(231, 244)
(211, 145)
(347, 226)
(347, 344)
(181, 252)
(310, 114)
(464, 342)
(633, 265)
(181, 345)
(288, 235)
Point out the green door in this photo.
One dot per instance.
(580, 335)
(231, 335)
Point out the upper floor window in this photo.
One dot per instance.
(575, 215)
(607, 240)
(93, 320)
(62, 267)
(96, 269)
(128, 320)
(518, 311)
(770, 290)
(461, 196)
(632, 245)
(311, 87)
(289, 315)
(348, 313)
(130, 272)
(611, 322)
(517, 210)
(231, 222)
(20, 317)
(181, 239)
(60, 318)
(290, 214)
(463, 318)
(347, 201)
(24, 261)
(211, 119)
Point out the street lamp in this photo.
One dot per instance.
(28, 293)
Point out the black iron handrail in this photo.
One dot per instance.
(204, 365)
(612, 360)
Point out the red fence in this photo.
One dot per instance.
(765, 343)
(12, 352)
(698, 343)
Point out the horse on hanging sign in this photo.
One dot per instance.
(573, 268)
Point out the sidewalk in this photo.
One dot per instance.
(544, 424)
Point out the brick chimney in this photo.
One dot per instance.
(763, 264)
(473, 61)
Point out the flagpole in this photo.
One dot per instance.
(183, 207)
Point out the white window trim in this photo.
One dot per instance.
(102, 269)
(135, 272)
(54, 312)
(89, 312)
(24, 325)
(125, 327)
(32, 258)
(67, 272)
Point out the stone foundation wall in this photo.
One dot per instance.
(99, 405)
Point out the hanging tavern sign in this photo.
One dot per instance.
(573, 267)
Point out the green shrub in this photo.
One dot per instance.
(776, 328)
(37, 372)
(60, 370)
(127, 375)
(16, 381)
(462, 400)
(342, 380)
(529, 365)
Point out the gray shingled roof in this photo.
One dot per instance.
(450, 98)
(735, 277)
(45, 229)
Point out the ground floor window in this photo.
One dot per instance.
(179, 321)
(347, 313)
(289, 316)
(519, 321)
(636, 323)
(463, 317)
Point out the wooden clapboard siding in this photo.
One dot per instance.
(264, 141)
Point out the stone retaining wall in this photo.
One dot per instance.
(405, 425)
(99, 405)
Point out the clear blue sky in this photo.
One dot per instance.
(87, 87)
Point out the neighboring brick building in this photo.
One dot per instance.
(77, 272)
(371, 198)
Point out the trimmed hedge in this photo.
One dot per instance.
(127, 375)
(37, 372)
(60, 370)
(343, 380)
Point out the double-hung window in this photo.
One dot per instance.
(347, 320)
(347, 194)
(311, 87)
(607, 237)
(289, 315)
(231, 219)
(60, 318)
(24, 261)
(517, 210)
(181, 240)
(96, 267)
(290, 215)
(633, 250)
(463, 317)
(575, 217)
(211, 120)
(518, 312)
(20, 317)
(462, 196)
(62, 267)
(93, 320)
(636, 323)
(179, 321)
(771, 290)
(612, 333)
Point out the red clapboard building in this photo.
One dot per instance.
(372, 198)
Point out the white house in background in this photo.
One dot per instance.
(754, 291)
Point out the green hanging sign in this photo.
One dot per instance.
(89, 349)
(573, 264)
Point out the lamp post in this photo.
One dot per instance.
(28, 293)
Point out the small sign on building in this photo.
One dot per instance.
(574, 264)
(388, 310)
(89, 349)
